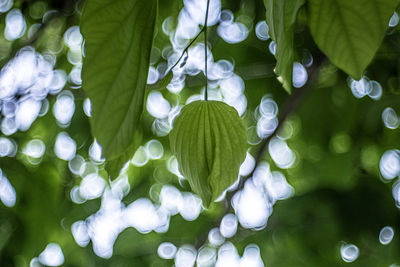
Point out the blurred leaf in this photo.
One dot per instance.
(350, 32)
(119, 36)
(163, 83)
(38, 211)
(338, 141)
(281, 16)
(209, 142)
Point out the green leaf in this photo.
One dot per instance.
(281, 17)
(350, 32)
(115, 165)
(209, 142)
(163, 83)
(118, 40)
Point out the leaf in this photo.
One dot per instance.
(350, 32)
(209, 142)
(281, 17)
(118, 39)
(163, 83)
(115, 165)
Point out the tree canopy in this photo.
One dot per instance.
(199, 133)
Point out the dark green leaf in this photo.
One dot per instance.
(281, 16)
(209, 142)
(115, 165)
(119, 36)
(350, 32)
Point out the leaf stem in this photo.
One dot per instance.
(205, 51)
(185, 51)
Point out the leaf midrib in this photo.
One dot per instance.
(117, 73)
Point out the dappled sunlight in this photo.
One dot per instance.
(154, 149)
(185, 256)
(215, 237)
(272, 47)
(233, 33)
(390, 164)
(365, 87)
(262, 30)
(34, 150)
(64, 108)
(113, 217)
(266, 114)
(300, 75)
(80, 232)
(65, 146)
(390, 118)
(281, 154)
(251, 206)
(228, 225)
(166, 250)
(140, 158)
(206, 256)
(394, 20)
(349, 252)
(38, 80)
(52, 255)
(157, 105)
(386, 235)
(15, 25)
(7, 192)
(248, 165)
(8, 147)
(92, 186)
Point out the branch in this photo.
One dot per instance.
(290, 106)
(185, 51)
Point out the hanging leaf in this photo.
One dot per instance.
(115, 165)
(350, 32)
(281, 17)
(118, 40)
(209, 142)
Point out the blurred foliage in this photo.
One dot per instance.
(340, 195)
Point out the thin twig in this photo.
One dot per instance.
(185, 51)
